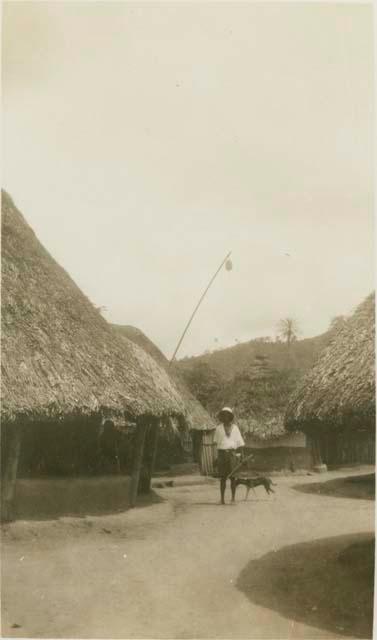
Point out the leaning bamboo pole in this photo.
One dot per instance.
(227, 262)
(238, 466)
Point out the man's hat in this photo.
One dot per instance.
(225, 410)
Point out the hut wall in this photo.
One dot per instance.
(60, 449)
(80, 448)
(290, 451)
(353, 447)
(296, 440)
(74, 448)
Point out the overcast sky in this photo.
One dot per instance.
(143, 142)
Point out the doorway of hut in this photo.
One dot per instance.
(204, 451)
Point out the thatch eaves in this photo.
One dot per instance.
(197, 418)
(339, 391)
(60, 358)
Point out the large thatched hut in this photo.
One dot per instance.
(63, 366)
(197, 439)
(335, 403)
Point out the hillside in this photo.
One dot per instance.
(228, 362)
(258, 396)
(255, 378)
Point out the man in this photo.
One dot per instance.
(229, 442)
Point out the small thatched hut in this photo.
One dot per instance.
(198, 438)
(62, 363)
(335, 403)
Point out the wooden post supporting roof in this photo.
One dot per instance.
(138, 460)
(152, 452)
(9, 472)
(149, 458)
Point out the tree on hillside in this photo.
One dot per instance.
(203, 381)
(288, 330)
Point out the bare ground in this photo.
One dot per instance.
(182, 566)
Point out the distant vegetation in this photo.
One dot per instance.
(232, 360)
(256, 377)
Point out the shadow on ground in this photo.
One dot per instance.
(326, 583)
(52, 498)
(362, 487)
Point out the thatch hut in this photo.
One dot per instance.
(62, 363)
(335, 403)
(198, 438)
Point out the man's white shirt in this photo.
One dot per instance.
(233, 441)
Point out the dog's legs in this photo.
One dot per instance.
(247, 493)
(268, 488)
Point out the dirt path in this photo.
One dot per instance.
(182, 568)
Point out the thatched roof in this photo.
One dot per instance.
(339, 391)
(197, 417)
(60, 358)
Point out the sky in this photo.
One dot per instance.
(142, 142)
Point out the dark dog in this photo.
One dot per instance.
(251, 483)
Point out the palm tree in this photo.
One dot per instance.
(288, 330)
